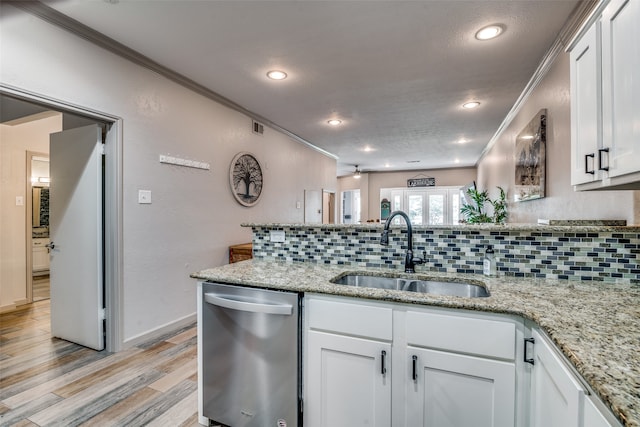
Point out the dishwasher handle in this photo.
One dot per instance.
(245, 304)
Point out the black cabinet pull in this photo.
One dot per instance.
(600, 167)
(383, 357)
(586, 163)
(414, 361)
(532, 341)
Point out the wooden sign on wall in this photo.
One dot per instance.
(421, 182)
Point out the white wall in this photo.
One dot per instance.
(561, 202)
(16, 141)
(193, 217)
(370, 184)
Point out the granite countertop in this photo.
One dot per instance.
(595, 325)
(570, 227)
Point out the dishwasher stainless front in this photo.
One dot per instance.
(249, 350)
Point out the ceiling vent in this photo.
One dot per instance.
(258, 127)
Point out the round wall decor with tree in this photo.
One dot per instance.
(245, 177)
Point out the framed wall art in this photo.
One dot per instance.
(530, 159)
(246, 179)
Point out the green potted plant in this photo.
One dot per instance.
(476, 212)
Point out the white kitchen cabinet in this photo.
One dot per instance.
(347, 375)
(40, 260)
(593, 417)
(349, 383)
(452, 390)
(621, 86)
(586, 95)
(463, 369)
(556, 396)
(605, 100)
(360, 354)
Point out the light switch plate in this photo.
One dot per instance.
(19, 201)
(276, 235)
(144, 197)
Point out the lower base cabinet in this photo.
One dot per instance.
(376, 364)
(453, 390)
(349, 385)
(357, 372)
(557, 397)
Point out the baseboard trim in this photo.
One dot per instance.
(159, 331)
(8, 308)
(17, 305)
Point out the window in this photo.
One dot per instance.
(425, 206)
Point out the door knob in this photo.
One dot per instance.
(50, 245)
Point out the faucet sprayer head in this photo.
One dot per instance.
(384, 239)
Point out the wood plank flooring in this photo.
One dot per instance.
(41, 287)
(46, 381)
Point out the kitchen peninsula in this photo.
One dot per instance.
(592, 316)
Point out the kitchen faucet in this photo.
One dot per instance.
(409, 260)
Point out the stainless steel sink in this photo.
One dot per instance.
(434, 287)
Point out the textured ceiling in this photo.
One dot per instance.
(395, 72)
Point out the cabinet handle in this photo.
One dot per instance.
(586, 163)
(383, 357)
(532, 341)
(600, 167)
(414, 362)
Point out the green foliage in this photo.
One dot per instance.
(476, 213)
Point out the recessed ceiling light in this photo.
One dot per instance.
(527, 137)
(472, 104)
(334, 122)
(277, 75)
(490, 32)
(456, 161)
(462, 141)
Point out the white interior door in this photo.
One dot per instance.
(313, 206)
(76, 231)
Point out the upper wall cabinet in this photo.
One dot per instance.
(605, 100)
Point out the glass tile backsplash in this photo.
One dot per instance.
(608, 256)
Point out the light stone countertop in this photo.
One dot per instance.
(578, 227)
(595, 325)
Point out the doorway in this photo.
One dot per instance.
(111, 264)
(328, 207)
(37, 226)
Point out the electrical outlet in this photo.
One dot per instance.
(144, 197)
(276, 235)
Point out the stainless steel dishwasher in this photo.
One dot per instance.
(250, 356)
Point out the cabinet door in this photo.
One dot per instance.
(621, 86)
(594, 418)
(453, 390)
(345, 384)
(40, 255)
(586, 114)
(556, 397)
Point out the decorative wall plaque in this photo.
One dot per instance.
(245, 177)
(421, 182)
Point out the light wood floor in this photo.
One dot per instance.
(41, 287)
(46, 381)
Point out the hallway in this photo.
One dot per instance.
(46, 381)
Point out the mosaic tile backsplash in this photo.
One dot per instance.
(612, 255)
